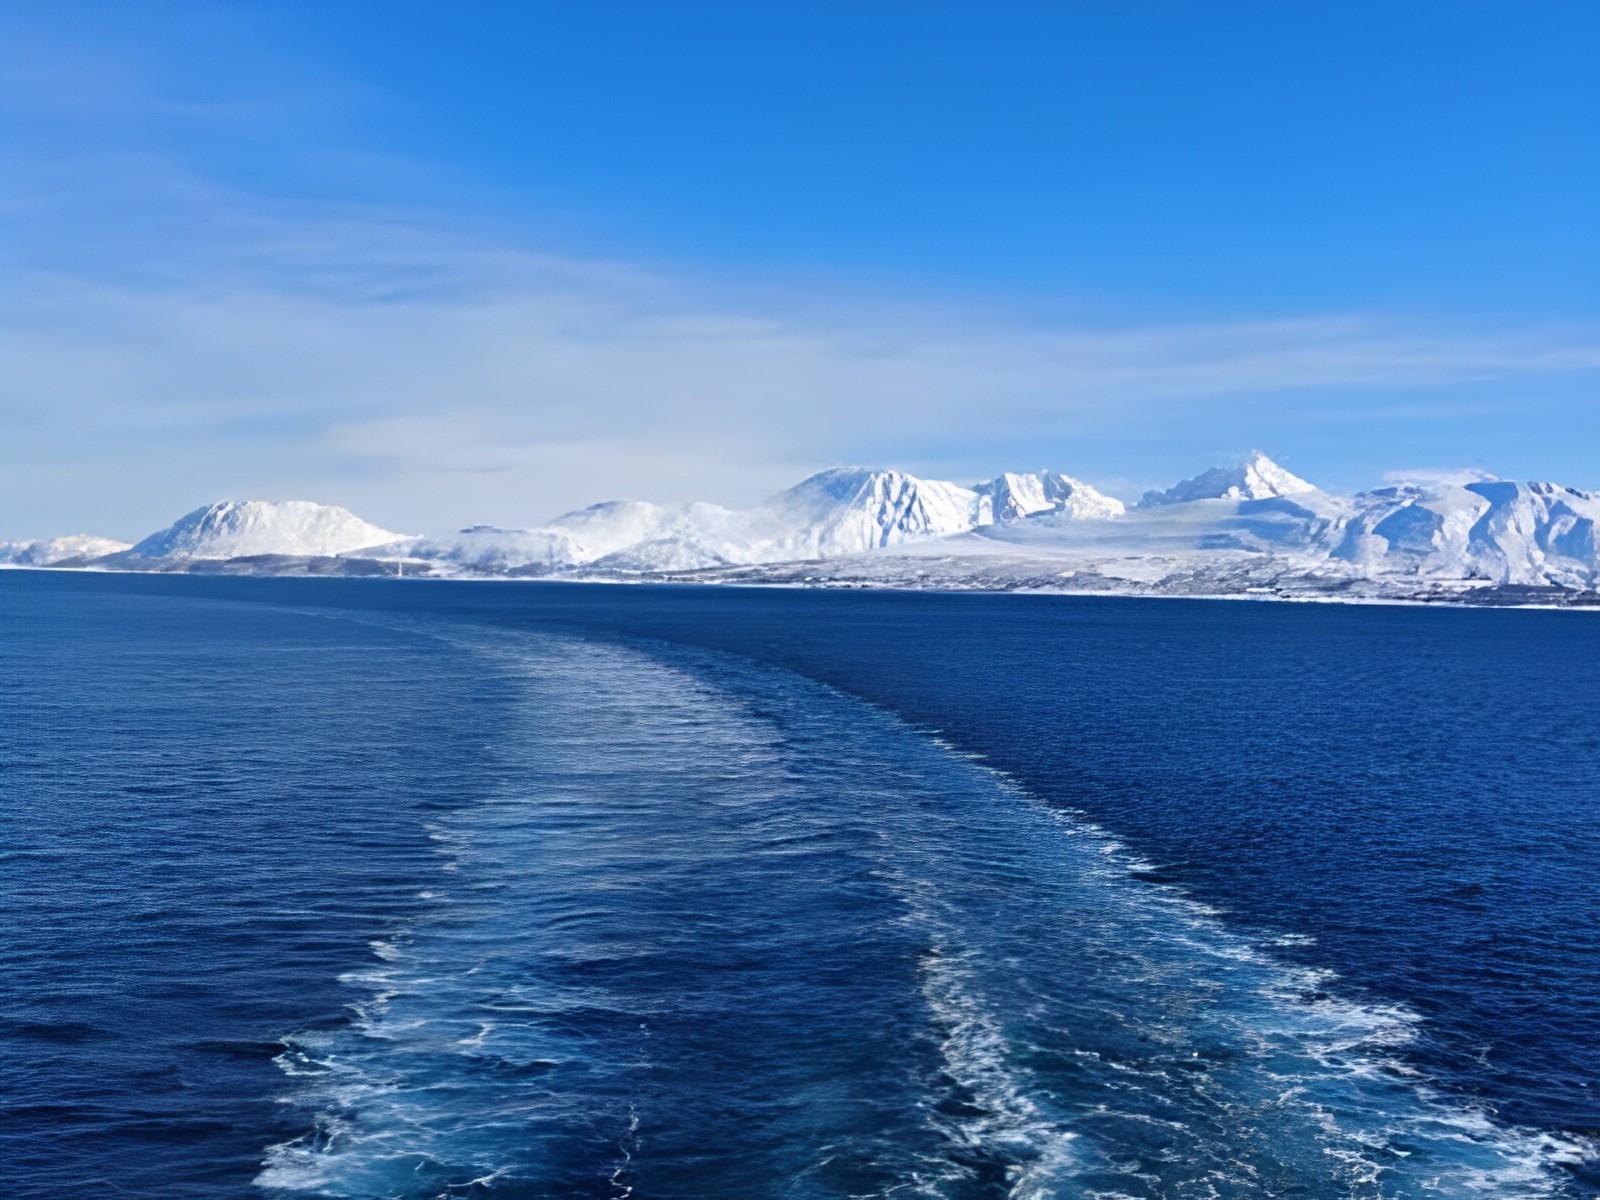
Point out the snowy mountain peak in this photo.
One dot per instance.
(848, 485)
(1013, 496)
(242, 528)
(1257, 478)
(845, 510)
(72, 549)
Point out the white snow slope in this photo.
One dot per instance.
(241, 528)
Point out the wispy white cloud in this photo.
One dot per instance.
(171, 336)
(440, 377)
(1438, 476)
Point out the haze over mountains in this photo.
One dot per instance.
(1252, 527)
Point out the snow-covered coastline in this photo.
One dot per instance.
(1252, 530)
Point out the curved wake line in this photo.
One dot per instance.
(1360, 1044)
(1085, 1029)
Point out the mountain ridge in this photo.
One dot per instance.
(1250, 528)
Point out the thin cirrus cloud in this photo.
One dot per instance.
(173, 335)
(398, 364)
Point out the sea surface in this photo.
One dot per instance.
(417, 889)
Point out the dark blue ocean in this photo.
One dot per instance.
(354, 888)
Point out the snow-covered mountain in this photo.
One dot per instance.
(844, 510)
(242, 528)
(850, 509)
(1532, 534)
(1248, 528)
(1011, 496)
(76, 547)
(1257, 478)
(1439, 540)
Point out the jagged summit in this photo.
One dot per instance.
(1012, 496)
(849, 509)
(240, 528)
(1257, 478)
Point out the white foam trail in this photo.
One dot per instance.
(1335, 1042)
(1193, 1062)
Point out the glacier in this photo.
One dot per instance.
(1250, 528)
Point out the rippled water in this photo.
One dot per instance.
(455, 891)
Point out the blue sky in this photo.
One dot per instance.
(448, 262)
